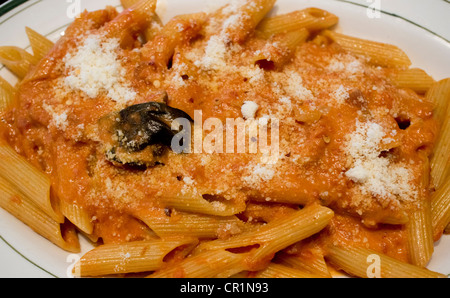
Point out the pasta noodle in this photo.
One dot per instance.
(14, 168)
(139, 256)
(379, 53)
(231, 143)
(17, 60)
(354, 261)
(439, 94)
(312, 19)
(415, 79)
(39, 43)
(12, 200)
(6, 94)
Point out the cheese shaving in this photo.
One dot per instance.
(94, 68)
(375, 175)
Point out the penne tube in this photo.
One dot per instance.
(155, 23)
(311, 262)
(17, 60)
(312, 19)
(130, 22)
(40, 44)
(249, 15)
(381, 54)
(154, 28)
(447, 229)
(175, 33)
(191, 224)
(280, 48)
(78, 216)
(128, 3)
(14, 168)
(440, 209)
(420, 235)
(440, 159)
(6, 94)
(196, 203)
(366, 263)
(129, 257)
(439, 94)
(13, 201)
(414, 78)
(276, 235)
(274, 270)
(208, 264)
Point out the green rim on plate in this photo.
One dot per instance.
(9, 5)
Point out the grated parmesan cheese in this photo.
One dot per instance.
(94, 68)
(259, 173)
(214, 57)
(345, 63)
(59, 119)
(376, 175)
(249, 109)
(290, 84)
(340, 95)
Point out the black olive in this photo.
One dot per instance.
(139, 134)
(147, 124)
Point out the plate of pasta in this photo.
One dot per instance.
(243, 138)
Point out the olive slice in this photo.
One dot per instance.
(139, 135)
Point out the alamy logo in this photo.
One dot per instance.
(374, 268)
(234, 136)
(72, 259)
(374, 9)
(74, 8)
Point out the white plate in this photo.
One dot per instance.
(419, 28)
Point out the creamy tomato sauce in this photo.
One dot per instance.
(328, 101)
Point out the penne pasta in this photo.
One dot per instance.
(280, 271)
(176, 32)
(420, 235)
(199, 204)
(362, 262)
(14, 168)
(419, 225)
(277, 234)
(40, 44)
(191, 224)
(447, 229)
(130, 257)
(312, 19)
(130, 23)
(440, 208)
(78, 216)
(128, 3)
(155, 23)
(439, 94)
(13, 201)
(6, 94)
(208, 264)
(17, 60)
(440, 160)
(379, 53)
(248, 15)
(280, 48)
(311, 262)
(414, 78)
